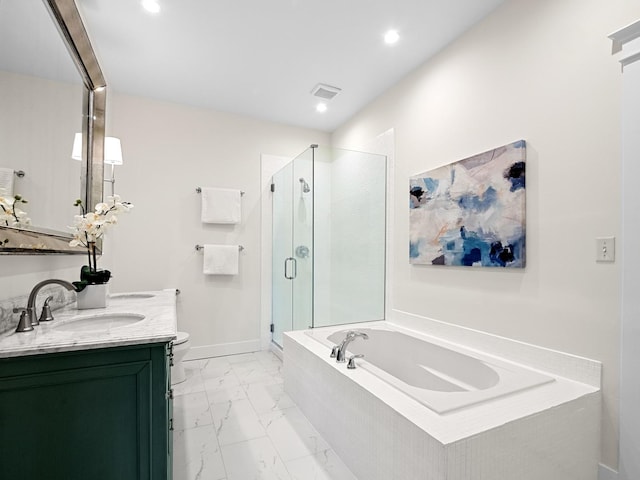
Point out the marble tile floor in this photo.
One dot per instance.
(233, 421)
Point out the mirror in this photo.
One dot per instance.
(51, 87)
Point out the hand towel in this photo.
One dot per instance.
(6, 181)
(221, 205)
(221, 259)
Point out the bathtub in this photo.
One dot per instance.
(431, 372)
(421, 406)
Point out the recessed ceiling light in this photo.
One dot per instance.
(391, 37)
(151, 6)
(321, 107)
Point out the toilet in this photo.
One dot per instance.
(180, 348)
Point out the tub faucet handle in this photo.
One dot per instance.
(46, 315)
(352, 360)
(24, 325)
(334, 351)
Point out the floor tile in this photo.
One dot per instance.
(255, 459)
(325, 465)
(268, 397)
(240, 358)
(192, 365)
(226, 394)
(236, 421)
(215, 367)
(292, 434)
(269, 361)
(228, 379)
(196, 455)
(191, 410)
(192, 384)
(251, 372)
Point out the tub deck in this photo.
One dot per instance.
(459, 379)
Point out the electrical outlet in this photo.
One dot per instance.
(605, 249)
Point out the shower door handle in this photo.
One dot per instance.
(295, 268)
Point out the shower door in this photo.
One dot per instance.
(292, 264)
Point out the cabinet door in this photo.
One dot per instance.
(80, 416)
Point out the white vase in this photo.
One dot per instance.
(93, 296)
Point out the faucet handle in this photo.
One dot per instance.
(46, 315)
(352, 360)
(24, 324)
(334, 351)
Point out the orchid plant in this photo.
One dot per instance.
(91, 226)
(10, 214)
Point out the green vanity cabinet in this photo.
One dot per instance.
(87, 415)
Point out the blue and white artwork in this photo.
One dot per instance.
(471, 212)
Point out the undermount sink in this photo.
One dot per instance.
(102, 322)
(132, 295)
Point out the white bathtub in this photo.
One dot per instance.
(441, 376)
(421, 406)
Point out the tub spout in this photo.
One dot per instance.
(342, 349)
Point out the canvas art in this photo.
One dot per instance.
(471, 212)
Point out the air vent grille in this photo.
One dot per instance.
(325, 91)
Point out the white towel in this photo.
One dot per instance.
(6, 181)
(221, 205)
(221, 259)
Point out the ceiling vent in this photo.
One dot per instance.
(325, 91)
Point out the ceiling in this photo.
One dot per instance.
(262, 58)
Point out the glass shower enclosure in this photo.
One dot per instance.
(328, 245)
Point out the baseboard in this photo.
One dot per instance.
(606, 473)
(276, 350)
(222, 349)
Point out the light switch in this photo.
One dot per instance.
(605, 249)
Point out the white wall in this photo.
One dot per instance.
(542, 71)
(19, 273)
(168, 151)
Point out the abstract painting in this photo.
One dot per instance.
(471, 212)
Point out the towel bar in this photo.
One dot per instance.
(200, 247)
(19, 173)
(199, 190)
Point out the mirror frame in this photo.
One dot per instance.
(68, 21)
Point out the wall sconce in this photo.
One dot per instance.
(112, 155)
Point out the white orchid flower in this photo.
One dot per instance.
(7, 200)
(102, 208)
(91, 226)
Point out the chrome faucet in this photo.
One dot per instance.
(342, 349)
(28, 317)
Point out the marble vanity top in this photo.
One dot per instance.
(159, 325)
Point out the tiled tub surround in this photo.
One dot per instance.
(158, 325)
(548, 431)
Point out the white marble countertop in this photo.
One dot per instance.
(158, 325)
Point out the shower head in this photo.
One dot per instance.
(305, 186)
